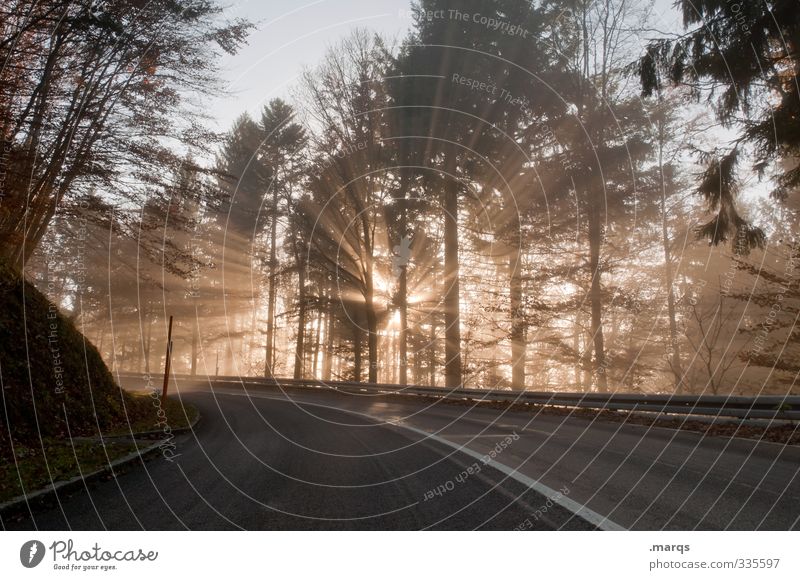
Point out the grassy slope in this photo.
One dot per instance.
(54, 381)
(56, 387)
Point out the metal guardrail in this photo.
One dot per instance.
(761, 407)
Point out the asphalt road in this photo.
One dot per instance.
(315, 459)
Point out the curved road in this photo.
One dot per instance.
(261, 458)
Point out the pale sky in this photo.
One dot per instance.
(291, 34)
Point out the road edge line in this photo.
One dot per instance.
(578, 509)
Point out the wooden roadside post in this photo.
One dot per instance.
(167, 364)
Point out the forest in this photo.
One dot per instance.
(559, 195)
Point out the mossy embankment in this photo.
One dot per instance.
(58, 397)
(54, 382)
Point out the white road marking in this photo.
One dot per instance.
(577, 508)
(573, 506)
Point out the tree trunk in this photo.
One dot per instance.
(517, 323)
(418, 379)
(372, 331)
(100, 341)
(273, 266)
(576, 346)
(317, 333)
(123, 359)
(195, 340)
(299, 354)
(327, 364)
(388, 355)
(148, 343)
(675, 352)
(432, 354)
(402, 335)
(357, 339)
(18, 235)
(596, 294)
(453, 369)
(587, 355)
(402, 288)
